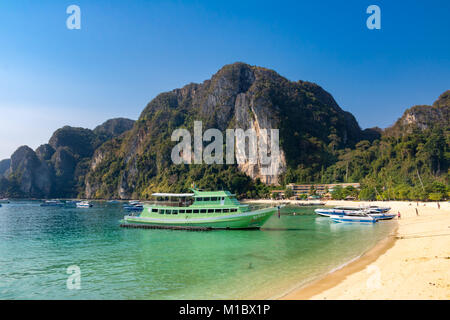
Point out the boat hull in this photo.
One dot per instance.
(323, 214)
(247, 220)
(345, 218)
(333, 212)
(383, 216)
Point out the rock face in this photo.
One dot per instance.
(238, 96)
(57, 169)
(32, 176)
(423, 117)
(79, 141)
(113, 128)
(443, 101)
(45, 152)
(4, 166)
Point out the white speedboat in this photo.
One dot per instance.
(376, 209)
(337, 211)
(382, 216)
(134, 205)
(52, 203)
(359, 217)
(84, 204)
(4, 200)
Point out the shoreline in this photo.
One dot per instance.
(336, 276)
(402, 269)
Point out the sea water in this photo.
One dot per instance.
(39, 244)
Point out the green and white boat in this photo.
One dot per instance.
(200, 209)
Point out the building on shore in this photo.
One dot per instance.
(318, 189)
(277, 194)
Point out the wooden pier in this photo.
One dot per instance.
(144, 226)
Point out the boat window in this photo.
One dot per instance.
(223, 198)
(154, 210)
(233, 210)
(195, 211)
(168, 211)
(199, 199)
(161, 211)
(218, 210)
(174, 211)
(210, 210)
(182, 211)
(203, 211)
(189, 211)
(214, 199)
(226, 210)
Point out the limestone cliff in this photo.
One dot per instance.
(423, 117)
(310, 124)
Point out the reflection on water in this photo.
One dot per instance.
(37, 244)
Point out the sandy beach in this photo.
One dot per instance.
(413, 263)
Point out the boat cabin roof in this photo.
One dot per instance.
(221, 193)
(179, 195)
(197, 193)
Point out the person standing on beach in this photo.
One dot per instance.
(417, 212)
(399, 215)
(439, 205)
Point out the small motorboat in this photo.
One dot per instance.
(52, 203)
(84, 204)
(382, 216)
(71, 203)
(377, 208)
(4, 200)
(337, 211)
(133, 205)
(359, 217)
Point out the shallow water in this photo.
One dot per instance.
(38, 244)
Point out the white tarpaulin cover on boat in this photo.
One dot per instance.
(173, 194)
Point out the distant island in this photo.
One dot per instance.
(320, 143)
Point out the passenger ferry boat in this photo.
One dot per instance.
(201, 209)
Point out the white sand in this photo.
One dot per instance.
(414, 266)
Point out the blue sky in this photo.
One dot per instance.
(129, 51)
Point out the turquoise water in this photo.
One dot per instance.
(38, 244)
